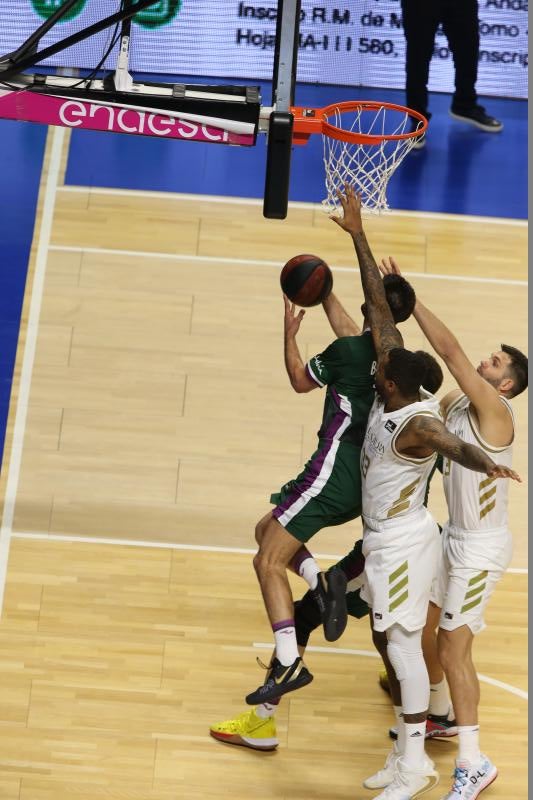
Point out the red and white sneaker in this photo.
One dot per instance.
(440, 727)
(436, 728)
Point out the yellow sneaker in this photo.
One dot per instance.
(383, 681)
(248, 730)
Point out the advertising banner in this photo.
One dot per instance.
(358, 43)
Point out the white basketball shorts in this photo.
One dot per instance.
(471, 565)
(400, 567)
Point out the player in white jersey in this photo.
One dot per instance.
(476, 540)
(400, 538)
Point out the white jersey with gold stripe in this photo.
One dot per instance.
(394, 485)
(475, 502)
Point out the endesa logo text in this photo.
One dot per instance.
(75, 114)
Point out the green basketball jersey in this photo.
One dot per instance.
(347, 368)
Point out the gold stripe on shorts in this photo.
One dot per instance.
(398, 585)
(476, 590)
(399, 600)
(479, 577)
(397, 572)
(468, 606)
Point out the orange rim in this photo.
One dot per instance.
(308, 121)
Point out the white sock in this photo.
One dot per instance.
(286, 645)
(415, 734)
(398, 713)
(469, 743)
(439, 702)
(266, 710)
(306, 567)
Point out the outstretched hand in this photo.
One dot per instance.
(499, 471)
(292, 320)
(389, 267)
(351, 221)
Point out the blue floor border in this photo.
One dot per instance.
(23, 148)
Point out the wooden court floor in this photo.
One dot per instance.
(151, 418)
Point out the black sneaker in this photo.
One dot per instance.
(477, 116)
(280, 680)
(330, 597)
(419, 141)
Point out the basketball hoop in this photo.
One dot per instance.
(364, 143)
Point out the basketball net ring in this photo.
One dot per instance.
(364, 142)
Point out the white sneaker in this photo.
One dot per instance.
(384, 776)
(469, 780)
(408, 784)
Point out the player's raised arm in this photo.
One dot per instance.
(481, 393)
(384, 331)
(300, 380)
(339, 319)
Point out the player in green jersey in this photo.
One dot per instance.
(256, 728)
(328, 490)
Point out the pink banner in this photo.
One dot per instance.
(77, 113)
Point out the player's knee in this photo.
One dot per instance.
(398, 660)
(404, 650)
(267, 564)
(429, 639)
(262, 564)
(446, 650)
(260, 531)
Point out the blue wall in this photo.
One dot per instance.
(21, 158)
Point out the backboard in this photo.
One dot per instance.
(280, 128)
(103, 95)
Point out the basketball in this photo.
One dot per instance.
(306, 280)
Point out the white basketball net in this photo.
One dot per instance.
(368, 167)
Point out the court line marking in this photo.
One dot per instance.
(31, 332)
(263, 263)
(507, 687)
(201, 548)
(241, 550)
(258, 201)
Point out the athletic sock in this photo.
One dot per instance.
(469, 743)
(266, 710)
(286, 645)
(439, 701)
(306, 567)
(415, 734)
(398, 713)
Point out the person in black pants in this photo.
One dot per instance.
(460, 22)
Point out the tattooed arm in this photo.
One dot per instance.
(384, 331)
(424, 435)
